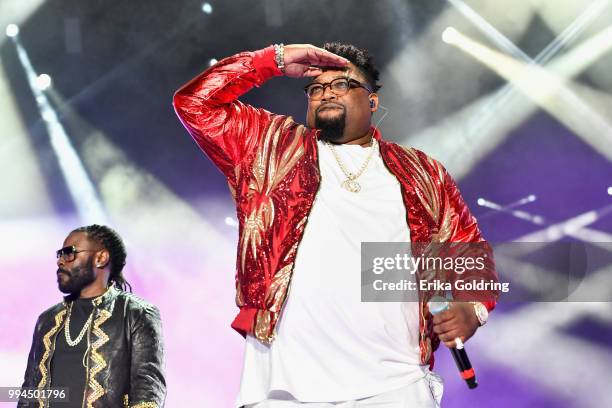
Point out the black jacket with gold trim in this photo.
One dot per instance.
(124, 358)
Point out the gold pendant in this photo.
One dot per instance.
(351, 185)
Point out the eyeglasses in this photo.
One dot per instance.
(338, 86)
(68, 254)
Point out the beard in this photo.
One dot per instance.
(332, 128)
(77, 278)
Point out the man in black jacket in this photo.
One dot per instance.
(101, 343)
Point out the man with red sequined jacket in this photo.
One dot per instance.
(306, 197)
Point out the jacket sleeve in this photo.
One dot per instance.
(225, 128)
(465, 230)
(29, 380)
(147, 383)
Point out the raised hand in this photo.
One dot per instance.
(306, 60)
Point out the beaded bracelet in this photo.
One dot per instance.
(279, 56)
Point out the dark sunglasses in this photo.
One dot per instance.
(69, 253)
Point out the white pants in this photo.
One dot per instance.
(425, 393)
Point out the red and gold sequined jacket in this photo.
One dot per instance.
(271, 165)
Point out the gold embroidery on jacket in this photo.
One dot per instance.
(239, 296)
(426, 191)
(278, 287)
(255, 224)
(262, 155)
(435, 202)
(99, 362)
(431, 195)
(426, 350)
(232, 191)
(268, 172)
(147, 404)
(42, 366)
(262, 330)
(271, 165)
(291, 154)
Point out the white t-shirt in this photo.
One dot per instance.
(329, 345)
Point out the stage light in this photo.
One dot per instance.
(491, 119)
(80, 186)
(529, 199)
(48, 116)
(212, 62)
(610, 191)
(230, 221)
(207, 8)
(481, 202)
(500, 40)
(450, 35)
(43, 81)
(12, 30)
(547, 87)
(23, 177)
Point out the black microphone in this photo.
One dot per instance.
(437, 305)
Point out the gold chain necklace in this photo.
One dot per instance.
(76, 341)
(351, 183)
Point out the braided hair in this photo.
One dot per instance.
(112, 242)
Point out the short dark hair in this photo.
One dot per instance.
(112, 242)
(360, 57)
